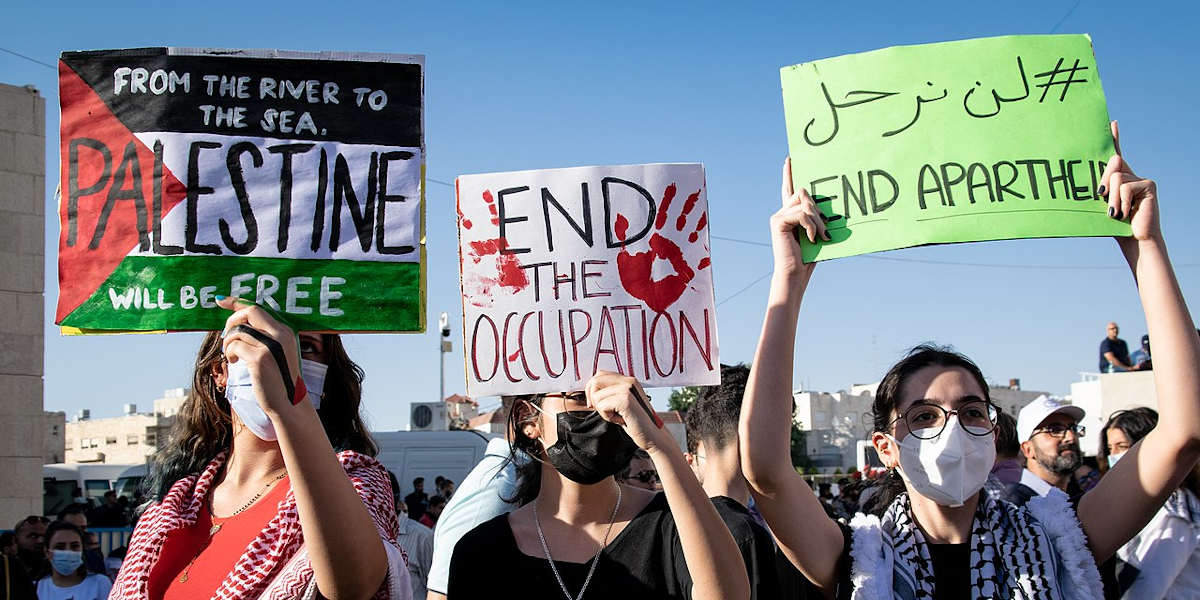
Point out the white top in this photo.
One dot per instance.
(479, 498)
(1167, 551)
(1035, 483)
(93, 587)
(417, 542)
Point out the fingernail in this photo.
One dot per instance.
(1101, 190)
(1119, 215)
(824, 218)
(1110, 211)
(825, 235)
(223, 332)
(219, 297)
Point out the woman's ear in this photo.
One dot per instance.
(219, 371)
(889, 454)
(528, 420)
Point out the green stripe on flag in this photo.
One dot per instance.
(148, 293)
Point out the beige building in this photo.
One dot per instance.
(22, 266)
(131, 438)
(1101, 395)
(54, 445)
(835, 422)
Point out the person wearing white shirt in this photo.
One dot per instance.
(417, 542)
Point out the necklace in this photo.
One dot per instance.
(595, 558)
(216, 524)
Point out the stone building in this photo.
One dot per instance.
(54, 445)
(22, 267)
(131, 438)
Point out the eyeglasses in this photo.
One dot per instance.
(1059, 430)
(647, 476)
(927, 421)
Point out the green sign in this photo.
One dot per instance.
(986, 139)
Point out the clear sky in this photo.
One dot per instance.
(513, 87)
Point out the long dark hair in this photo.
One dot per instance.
(204, 428)
(887, 400)
(529, 467)
(1135, 423)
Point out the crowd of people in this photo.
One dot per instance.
(269, 487)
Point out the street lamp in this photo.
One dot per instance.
(444, 346)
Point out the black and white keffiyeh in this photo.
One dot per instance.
(1032, 552)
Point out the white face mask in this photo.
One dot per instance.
(239, 391)
(1113, 458)
(950, 468)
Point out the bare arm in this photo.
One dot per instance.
(1133, 490)
(712, 557)
(809, 538)
(343, 544)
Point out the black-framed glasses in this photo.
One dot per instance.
(927, 421)
(1060, 430)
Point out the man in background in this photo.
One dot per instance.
(418, 501)
(1114, 352)
(712, 443)
(31, 546)
(1049, 432)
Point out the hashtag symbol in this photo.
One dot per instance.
(1052, 79)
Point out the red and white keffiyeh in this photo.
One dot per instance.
(275, 565)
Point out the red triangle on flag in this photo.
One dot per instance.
(105, 152)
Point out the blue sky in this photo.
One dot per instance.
(536, 86)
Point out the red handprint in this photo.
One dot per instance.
(636, 269)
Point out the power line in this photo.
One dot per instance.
(1064, 17)
(951, 263)
(29, 58)
(747, 287)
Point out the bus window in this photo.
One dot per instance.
(56, 495)
(94, 489)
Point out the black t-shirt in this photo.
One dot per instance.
(951, 569)
(1119, 350)
(641, 562)
(755, 544)
(416, 502)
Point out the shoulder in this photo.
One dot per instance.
(737, 519)
(487, 535)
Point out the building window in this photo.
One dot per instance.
(131, 439)
(152, 439)
(110, 440)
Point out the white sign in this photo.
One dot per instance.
(569, 271)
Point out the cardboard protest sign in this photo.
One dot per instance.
(984, 139)
(570, 271)
(292, 179)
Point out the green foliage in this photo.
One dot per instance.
(682, 398)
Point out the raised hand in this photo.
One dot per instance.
(1130, 197)
(798, 211)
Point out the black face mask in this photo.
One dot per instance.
(589, 449)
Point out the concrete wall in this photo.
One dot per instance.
(22, 263)
(1102, 395)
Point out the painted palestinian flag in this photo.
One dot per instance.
(292, 179)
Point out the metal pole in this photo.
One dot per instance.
(444, 326)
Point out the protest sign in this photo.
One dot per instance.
(294, 179)
(570, 271)
(984, 139)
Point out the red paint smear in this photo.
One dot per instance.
(82, 271)
(466, 223)
(622, 227)
(511, 273)
(687, 209)
(668, 195)
(704, 263)
(491, 204)
(512, 357)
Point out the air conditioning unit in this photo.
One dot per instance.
(428, 416)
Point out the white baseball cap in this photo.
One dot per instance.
(1035, 412)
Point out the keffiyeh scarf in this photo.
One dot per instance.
(1032, 552)
(275, 565)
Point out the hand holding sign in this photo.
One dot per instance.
(1130, 197)
(619, 399)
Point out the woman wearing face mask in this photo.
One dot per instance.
(267, 487)
(69, 577)
(579, 533)
(1163, 559)
(940, 537)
